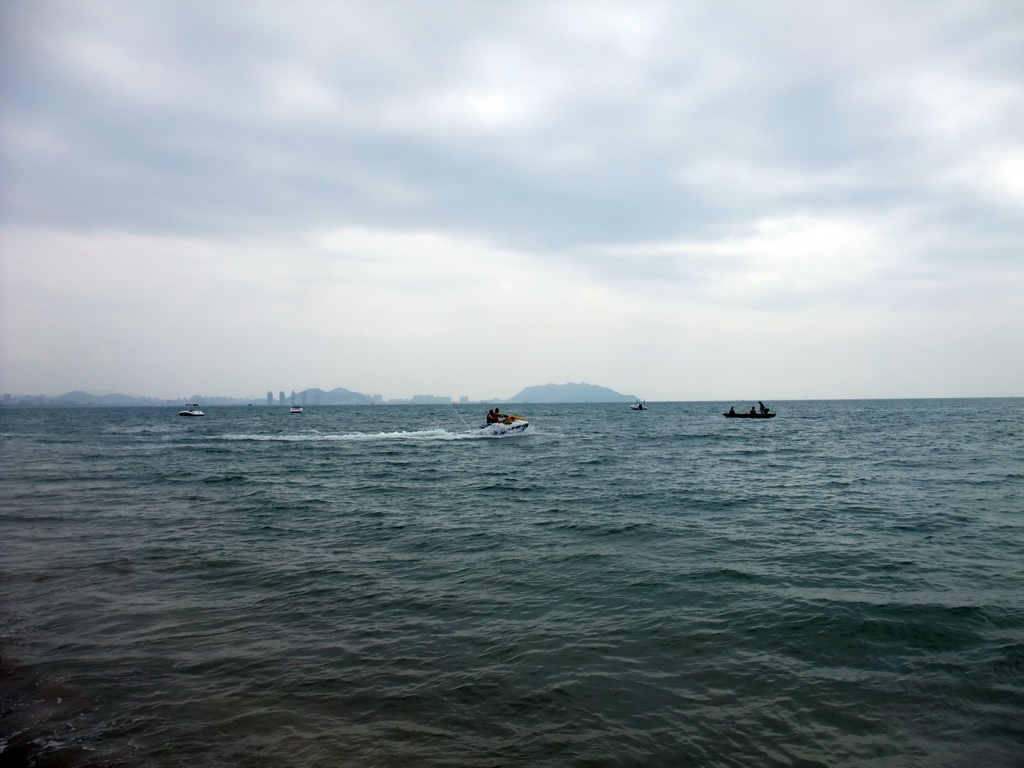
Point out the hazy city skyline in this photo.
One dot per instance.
(695, 201)
(567, 392)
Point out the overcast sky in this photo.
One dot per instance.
(679, 200)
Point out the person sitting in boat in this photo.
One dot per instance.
(753, 411)
(732, 410)
(493, 416)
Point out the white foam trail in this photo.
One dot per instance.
(424, 435)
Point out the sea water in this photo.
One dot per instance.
(842, 585)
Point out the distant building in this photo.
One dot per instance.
(270, 397)
(280, 398)
(430, 400)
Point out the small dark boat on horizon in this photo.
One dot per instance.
(734, 415)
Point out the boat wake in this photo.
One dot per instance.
(425, 435)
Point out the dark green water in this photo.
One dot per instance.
(840, 586)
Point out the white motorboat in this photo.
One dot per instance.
(191, 409)
(511, 424)
(295, 409)
(638, 406)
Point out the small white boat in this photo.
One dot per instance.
(638, 406)
(509, 425)
(191, 409)
(295, 409)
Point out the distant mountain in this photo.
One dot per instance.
(337, 396)
(547, 393)
(569, 393)
(84, 398)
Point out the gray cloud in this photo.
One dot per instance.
(638, 144)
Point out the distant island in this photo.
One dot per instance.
(546, 393)
(570, 393)
(314, 396)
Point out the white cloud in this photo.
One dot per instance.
(997, 174)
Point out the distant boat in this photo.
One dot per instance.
(295, 409)
(639, 406)
(191, 409)
(748, 415)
